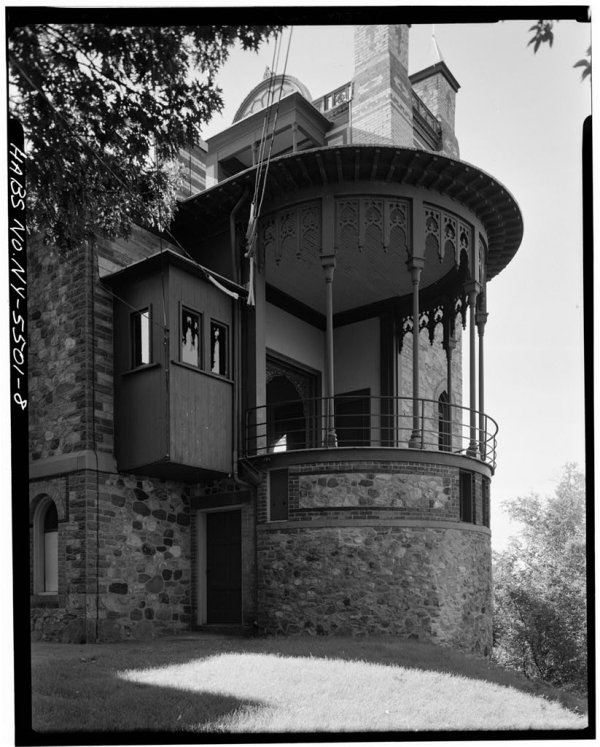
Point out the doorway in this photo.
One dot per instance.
(293, 408)
(224, 567)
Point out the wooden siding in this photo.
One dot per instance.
(141, 417)
(171, 415)
(201, 404)
(201, 419)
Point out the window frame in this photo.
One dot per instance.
(280, 476)
(201, 335)
(39, 550)
(133, 316)
(467, 511)
(485, 501)
(209, 366)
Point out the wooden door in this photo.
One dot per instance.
(224, 568)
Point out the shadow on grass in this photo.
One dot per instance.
(80, 684)
(76, 705)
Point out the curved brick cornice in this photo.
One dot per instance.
(364, 458)
(282, 526)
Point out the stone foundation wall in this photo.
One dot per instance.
(145, 558)
(417, 582)
(376, 548)
(124, 562)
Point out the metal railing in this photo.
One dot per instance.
(335, 98)
(430, 124)
(370, 422)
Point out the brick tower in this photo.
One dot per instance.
(382, 98)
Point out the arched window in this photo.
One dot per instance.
(45, 548)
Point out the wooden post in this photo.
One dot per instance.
(328, 264)
(481, 319)
(450, 345)
(415, 265)
(472, 289)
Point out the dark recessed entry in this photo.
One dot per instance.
(224, 568)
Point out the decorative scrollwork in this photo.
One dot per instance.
(449, 244)
(445, 233)
(482, 259)
(461, 304)
(396, 224)
(432, 230)
(371, 224)
(269, 233)
(296, 229)
(436, 317)
(347, 224)
(288, 234)
(310, 228)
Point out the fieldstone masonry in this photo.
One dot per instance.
(368, 489)
(137, 566)
(376, 549)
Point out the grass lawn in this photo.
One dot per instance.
(211, 684)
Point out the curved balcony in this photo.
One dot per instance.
(370, 422)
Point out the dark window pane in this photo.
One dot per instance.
(278, 495)
(466, 497)
(51, 519)
(485, 501)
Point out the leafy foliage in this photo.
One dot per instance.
(543, 34)
(105, 112)
(586, 65)
(540, 587)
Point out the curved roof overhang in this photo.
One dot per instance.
(480, 193)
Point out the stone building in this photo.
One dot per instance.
(232, 424)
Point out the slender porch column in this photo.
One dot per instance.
(328, 264)
(450, 345)
(472, 289)
(415, 265)
(481, 319)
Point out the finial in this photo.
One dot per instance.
(267, 73)
(435, 44)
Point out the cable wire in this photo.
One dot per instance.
(70, 131)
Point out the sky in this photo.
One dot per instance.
(519, 117)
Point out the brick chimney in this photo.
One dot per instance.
(382, 97)
(437, 88)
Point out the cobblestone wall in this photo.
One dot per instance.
(144, 559)
(59, 351)
(377, 551)
(134, 549)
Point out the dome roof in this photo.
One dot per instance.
(258, 97)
